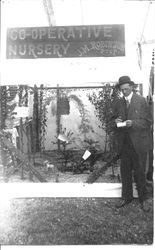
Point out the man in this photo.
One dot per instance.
(132, 122)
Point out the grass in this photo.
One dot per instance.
(74, 221)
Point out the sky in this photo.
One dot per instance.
(80, 71)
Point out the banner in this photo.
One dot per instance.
(66, 41)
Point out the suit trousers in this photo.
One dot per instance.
(133, 169)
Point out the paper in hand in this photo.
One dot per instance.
(121, 124)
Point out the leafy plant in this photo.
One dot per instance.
(85, 126)
(42, 117)
(66, 153)
(36, 121)
(103, 102)
(42, 98)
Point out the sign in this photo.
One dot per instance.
(86, 155)
(66, 41)
(21, 112)
(63, 138)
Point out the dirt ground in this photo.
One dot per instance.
(55, 173)
(63, 177)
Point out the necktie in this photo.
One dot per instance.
(127, 103)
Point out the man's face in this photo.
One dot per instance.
(126, 89)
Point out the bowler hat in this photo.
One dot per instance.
(123, 80)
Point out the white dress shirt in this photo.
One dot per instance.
(128, 98)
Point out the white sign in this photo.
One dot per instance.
(21, 112)
(86, 155)
(63, 138)
(121, 124)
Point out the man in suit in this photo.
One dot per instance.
(132, 122)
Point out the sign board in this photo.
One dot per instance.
(66, 41)
(86, 155)
(21, 112)
(63, 138)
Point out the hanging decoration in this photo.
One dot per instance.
(63, 105)
(142, 40)
(49, 12)
(151, 80)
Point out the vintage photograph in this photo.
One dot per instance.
(77, 122)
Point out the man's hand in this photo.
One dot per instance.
(119, 119)
(128, 123)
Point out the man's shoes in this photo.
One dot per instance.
(145, 206)
(123, 203)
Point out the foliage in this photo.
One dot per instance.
(42, 99)
(2, 106)
(36, 122)
(91, 144)
(8, 102)
(66, 153)
(23, 95)
(11, 96)
(42, 117)
(71, 157)
(103, 102)
(85, 126)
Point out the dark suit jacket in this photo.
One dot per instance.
(139, 113)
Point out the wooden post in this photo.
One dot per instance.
(33, 148)
(29, 148)
(58, 116)
(3, 152)
(3, 161)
